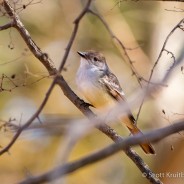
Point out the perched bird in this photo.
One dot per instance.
(102, 89)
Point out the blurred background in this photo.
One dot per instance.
(142, 27)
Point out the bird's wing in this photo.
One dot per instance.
(112, 85)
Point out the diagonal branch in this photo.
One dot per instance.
(121, 1)
(127, 57)
(6, 26)
(152, 136)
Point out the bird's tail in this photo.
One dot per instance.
(130, 123)
(147, 147)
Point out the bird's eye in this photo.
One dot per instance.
(95, 59)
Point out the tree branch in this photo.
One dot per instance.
(6, 26)
(74, 33)
(152, 136)
(114, 37)
(119, 1)
(157, 61)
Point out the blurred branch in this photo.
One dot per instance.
(162, 0)
(121, 1)
(175, 9)
(152, 136)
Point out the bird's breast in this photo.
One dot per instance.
(94, 91)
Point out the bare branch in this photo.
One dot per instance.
(107, 130)
(176, 9)
(157, 61)
(76, 22)
(163, 47)
(127, 58)
(6, 26)
(152, 136)
(121, 1)
(34, 116)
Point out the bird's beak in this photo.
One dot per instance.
(82, 54)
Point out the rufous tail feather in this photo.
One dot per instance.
(147, 148)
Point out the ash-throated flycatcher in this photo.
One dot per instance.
(102, 89)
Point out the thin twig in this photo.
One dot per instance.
(134, 72)
(175, 10)
(121, 1)
(155, 64)
(73, 35)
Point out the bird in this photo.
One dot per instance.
(102, 89)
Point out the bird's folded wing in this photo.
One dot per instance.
(112, 85)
